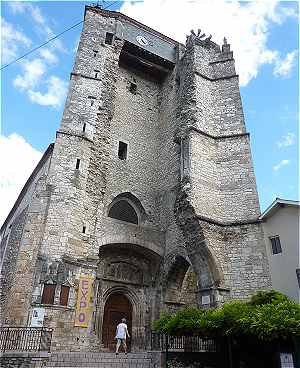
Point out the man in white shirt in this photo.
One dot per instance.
(121, 334)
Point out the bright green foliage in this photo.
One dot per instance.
(273, 321)
(160, 324)
(181, 323)
(268, 297)
(268, 316)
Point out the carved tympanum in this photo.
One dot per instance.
(124, 271)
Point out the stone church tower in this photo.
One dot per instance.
(147, 198)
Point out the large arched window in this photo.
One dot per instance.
(124, 211)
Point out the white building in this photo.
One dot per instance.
(281, 228)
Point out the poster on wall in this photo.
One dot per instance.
(83, 307)
(37, 317)
(286, 360)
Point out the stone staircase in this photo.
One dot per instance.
(99, 360)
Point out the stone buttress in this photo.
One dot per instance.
(217, 206)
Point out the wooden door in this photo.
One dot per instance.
(116, 308)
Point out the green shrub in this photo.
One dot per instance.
(273, 321)
(268, 297)
(267, 316)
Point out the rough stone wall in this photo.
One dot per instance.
(240, 252)
(11, 242)
(221, 164)
(20, 294)
(66, 336)
(223, 178)
(135, 122)
(15, 232)
(77, 194)
(169, 156)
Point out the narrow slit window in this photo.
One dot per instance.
(84, 127)
(64, 295)
(92, 100)
(109, 38)
(83, 229)
(133, 88)
(96, 73)
(77, 163)
(122, 151)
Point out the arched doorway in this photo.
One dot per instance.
(116, 307)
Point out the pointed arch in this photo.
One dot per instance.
(124, 211)
(128, 208)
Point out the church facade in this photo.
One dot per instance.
(146, 201)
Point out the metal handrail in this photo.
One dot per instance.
(164, 342)
(25, 339)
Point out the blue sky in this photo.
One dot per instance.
(263, 37)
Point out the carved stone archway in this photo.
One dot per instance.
(129, 270)
(137, 325)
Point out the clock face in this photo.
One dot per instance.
(142, 40)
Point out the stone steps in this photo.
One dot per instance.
(99, 360)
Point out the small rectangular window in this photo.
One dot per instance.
(83, 229)
(77, 163)
(122, 151)
(133, 88)
(48, 294)
(109, 38)
(64, 295)
(84, 127)
(96, 73)
(276, 245)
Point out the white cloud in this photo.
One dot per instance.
(283, 67)
(42, 26)
(55, 95)
(36, 14)
(21, 7)
(281, 164)
(17, 6)
(20, 160)
(34, 77)
(245, 24)
(286, 140)
(12, 41)
(33, 71)
(49, 56)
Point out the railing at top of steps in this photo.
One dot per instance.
(29, 339)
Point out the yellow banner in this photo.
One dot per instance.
(84, 308)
